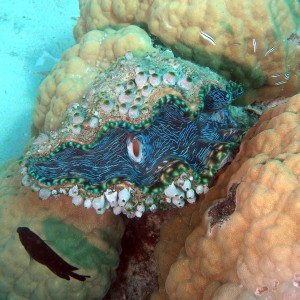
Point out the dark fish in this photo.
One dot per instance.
(42, 253)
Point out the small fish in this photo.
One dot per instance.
(287, 75)
(275, 75)
(280, 82)
(254, 45)
(270, 50)
(208, 37)
(42, 253)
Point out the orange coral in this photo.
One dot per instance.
(81, 237)
(255, 250)
(244, 33)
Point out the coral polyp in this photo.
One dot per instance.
(150, 133)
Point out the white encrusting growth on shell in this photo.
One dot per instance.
(76, 129)
(141, 79)
(111, 196)
(26, 181)
(123, 108)
(171, 191)
(87, 203)
(123, 197)
(73, 191)
(107, 106)
(44, 193)
(134, 112)
(185, 82)
(35, 187)
(146, 90)
(93, 122)
(77, 200)
(154, 79)
(169, 78)
(127, 96)
(186, 185)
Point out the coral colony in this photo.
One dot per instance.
(150, 133)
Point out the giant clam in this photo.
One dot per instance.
(151, 132)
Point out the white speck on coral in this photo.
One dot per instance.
(191, 200)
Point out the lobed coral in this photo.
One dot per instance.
(253, 249)
(82, 238)
(78, 68)
(254, 42)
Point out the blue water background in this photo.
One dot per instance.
(33, 35)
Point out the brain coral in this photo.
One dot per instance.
(78, 68)
(82, 238)
(246, 244)
(255, 42)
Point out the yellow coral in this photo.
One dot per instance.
(81, 237)
(70, 78)
(244, 32)
(256, 249)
